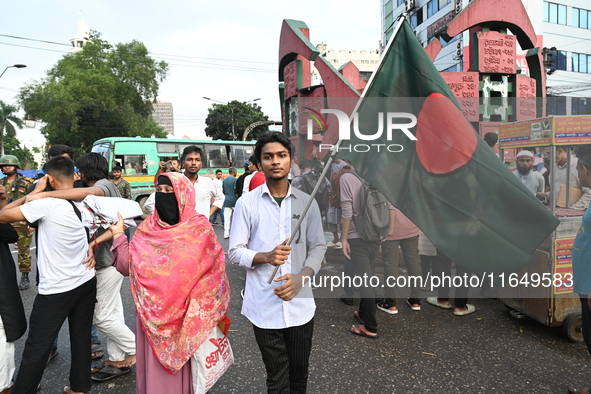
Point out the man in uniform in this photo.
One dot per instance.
(15, 185)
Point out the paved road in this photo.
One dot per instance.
(430, 351)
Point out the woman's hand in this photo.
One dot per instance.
(118, 228)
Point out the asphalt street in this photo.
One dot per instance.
(427, 351)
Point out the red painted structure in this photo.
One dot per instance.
(492, 68)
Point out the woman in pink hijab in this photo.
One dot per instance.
(178, 283)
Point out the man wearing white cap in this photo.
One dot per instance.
(533, 180)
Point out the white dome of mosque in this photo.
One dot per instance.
(82, 28)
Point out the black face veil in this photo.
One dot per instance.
(166, 203)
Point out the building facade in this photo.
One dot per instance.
(365, 61)
(163, 116)
(563, 27)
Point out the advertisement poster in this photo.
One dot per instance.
(528, 133)
(572, 130)
(563, 265)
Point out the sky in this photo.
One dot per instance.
(222, 50)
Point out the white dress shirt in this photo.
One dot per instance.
(259, 224)
(205, 189)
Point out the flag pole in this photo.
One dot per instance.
(335, 148)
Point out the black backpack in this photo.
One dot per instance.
(373, 220)
(309, 182)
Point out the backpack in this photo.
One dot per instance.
(309, 182)
(373, 220)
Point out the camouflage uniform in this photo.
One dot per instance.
(124, 188)
(14, 191)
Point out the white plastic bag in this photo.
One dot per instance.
(211, 361)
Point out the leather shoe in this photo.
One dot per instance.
(347, 301)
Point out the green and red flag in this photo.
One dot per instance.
(448, 181)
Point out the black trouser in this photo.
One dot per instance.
(286, 354)
(427, 264)
(48, 316)
(586, 316)
(443, 268)
(363, 257)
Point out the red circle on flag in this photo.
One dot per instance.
(445, 139)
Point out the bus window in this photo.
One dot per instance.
(132, 164)
(216, 156)
(240, 153)
(166, 147)
(200, 146)
(102, 149)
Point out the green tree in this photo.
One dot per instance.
(24, 155)
(237, 116)
(8, 121)
(101, 91)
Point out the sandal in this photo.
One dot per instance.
(580, 391)
(97, 352)
(362, 331)
(110, 372)
(97, 368)
(385, 307)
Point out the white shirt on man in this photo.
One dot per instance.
(259, 224)
(534, 181)
(205, 190)
(62, 245)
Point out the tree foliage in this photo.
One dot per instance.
(221, 117)
(8, 123)
(24, 155)
(100, 91)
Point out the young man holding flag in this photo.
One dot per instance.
(282, 313)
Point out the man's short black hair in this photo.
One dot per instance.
(254, 161)
(60, 167)
(307, 164)
(583, 153)
(272, 136)
(94, 166)
(60, 150)
(218, 171)
(491, 139)
(191, 149)
(117, 168)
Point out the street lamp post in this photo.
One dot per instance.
(232, 111)
(15, 66)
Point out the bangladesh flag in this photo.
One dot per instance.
(447, 181)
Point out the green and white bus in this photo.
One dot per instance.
(140, 158)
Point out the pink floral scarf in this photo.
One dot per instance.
(178, 279)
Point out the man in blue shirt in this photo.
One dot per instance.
(229, 189)
(581, 253)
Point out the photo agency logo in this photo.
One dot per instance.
(389, 122)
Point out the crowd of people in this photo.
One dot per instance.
(177, 266)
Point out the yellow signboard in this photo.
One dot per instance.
(555, 130)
